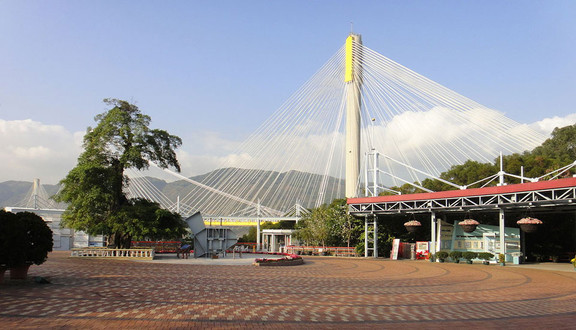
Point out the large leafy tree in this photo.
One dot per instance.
(94, 190)
(328, 224)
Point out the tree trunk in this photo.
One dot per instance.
(119, 240)
(126, 241)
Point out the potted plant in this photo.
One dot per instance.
(502, 259)
(528, 224)
(486, 256)
(25, 240)
(469, 255)
(441, 255)
(468, 225)
(456, 256)
(412, 225)
(573, 261)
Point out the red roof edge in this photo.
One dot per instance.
(512, 188)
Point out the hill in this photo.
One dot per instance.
(274, 189)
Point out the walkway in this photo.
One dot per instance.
(325, 293)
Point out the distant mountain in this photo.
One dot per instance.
(13, 193)
(277, 190)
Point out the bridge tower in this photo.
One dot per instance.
(353, 79)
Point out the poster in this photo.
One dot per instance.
(395, 248)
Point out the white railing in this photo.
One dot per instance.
(98, 252)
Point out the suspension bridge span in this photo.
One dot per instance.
(360, 112)
(314, 147)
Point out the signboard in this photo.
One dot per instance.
(422, 250)
(395, 248)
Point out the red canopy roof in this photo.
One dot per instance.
(512, 188)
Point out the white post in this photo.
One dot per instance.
(258, 240)
(375, 253)
(375, 174)
(502, 233)
(501, 173)
(366, 183)
(366, 236)
(433, 234)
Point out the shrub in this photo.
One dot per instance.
(441, 255)
(485, 255)
(456, 255)
(24, 239)
(469, 255)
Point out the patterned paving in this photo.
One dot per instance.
(323, 293)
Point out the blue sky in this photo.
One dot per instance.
(212, 71)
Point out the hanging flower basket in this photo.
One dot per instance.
(529, 225)
(412, 225)
(468, 225)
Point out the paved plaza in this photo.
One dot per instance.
(325, 292)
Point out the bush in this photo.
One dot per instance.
(456, 255)
(485, 255)
(442, 255)
(469, 255)
(24, 239)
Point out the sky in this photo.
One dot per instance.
(213, 71)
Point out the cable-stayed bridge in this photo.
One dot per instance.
(314, 148)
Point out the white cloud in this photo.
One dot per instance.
(547, 125)
(31, 149)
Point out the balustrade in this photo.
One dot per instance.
(138, 253)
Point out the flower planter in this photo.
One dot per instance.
(290, 260)
(469, 228)
(469, 262)
(468, 225)
(528, 227)
(294, 262)
(412, 226)
(411, 229)
(19, 272)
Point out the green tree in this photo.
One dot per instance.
(467, 173)
(328, 225)
(93, 189)
(346, 227)
(315, 227)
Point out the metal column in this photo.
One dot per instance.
(371, 237)
(375, 237)
(366, 236)
(502, 233)
(433, 234)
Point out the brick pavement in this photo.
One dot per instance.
(326, 292)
